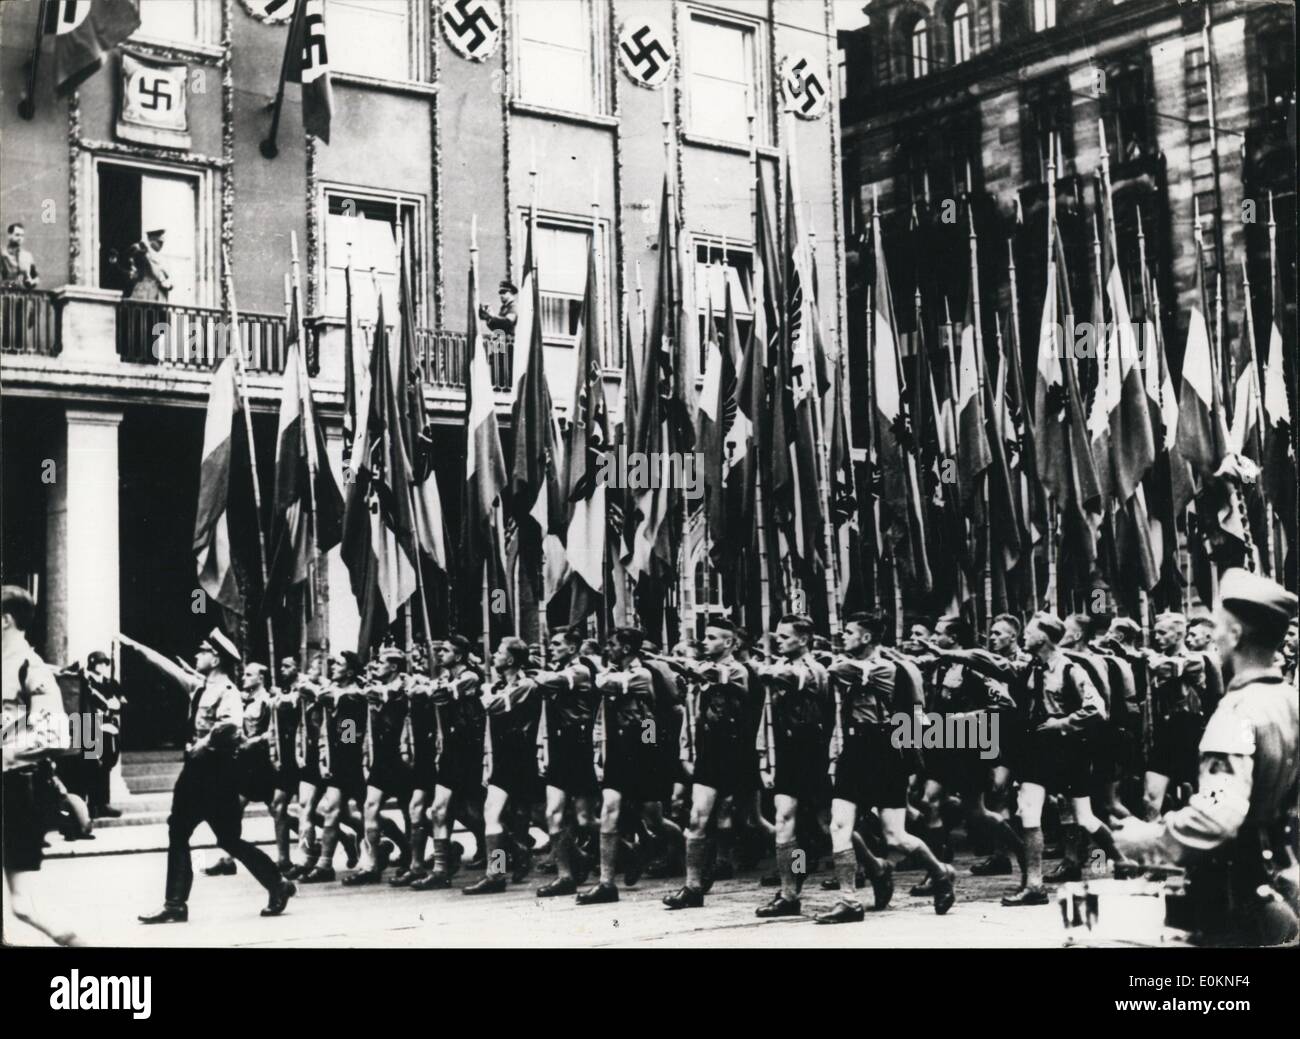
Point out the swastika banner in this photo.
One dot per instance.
(472, 27)
(805, 85)
(154, 98)
(645, 50)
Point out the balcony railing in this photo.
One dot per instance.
(441, 355)
(196, 337)
(29, 323)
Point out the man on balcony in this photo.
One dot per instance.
(17, 268)
(503, 321)
(149, 278)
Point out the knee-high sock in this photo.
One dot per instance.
(419, 839)
(1034, 856)
(328, 842)
(562, 853)
(1010, 840)
(726, 838)
(496, 855)
(697, 851)
(441, 854)
(608, 857)
(785, 868)
(394, 833)
(846, 872)
(870, 863)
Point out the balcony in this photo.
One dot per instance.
(82, 324)
(198, 337)
(29, 322)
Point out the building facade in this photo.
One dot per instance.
(443, 113)
(957, 100)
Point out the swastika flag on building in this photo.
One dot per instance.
(84, 31)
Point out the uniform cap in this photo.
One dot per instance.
(218, 640)
(1247, 594)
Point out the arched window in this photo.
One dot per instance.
(1044, 14)
(961, 49)
(920, 49)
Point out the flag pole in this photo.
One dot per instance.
(1052, 524)
(27, 104)
(252, 451)
(980, 363)
(1253, 361)
(469, 380)
(303, 610)
(760, 528)
(1027, 413)
(1276, 566)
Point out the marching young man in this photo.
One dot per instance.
(793, 750)
(626, 750)
(565, 755)
(306, 753)
(343, 727)
(511, 707)
(386, 773)
(1064, 706)
(721, 751)
(870, 772)
(458, 791)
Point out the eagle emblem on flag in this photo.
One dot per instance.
(645, 50)
(472, 27)
(805, 86)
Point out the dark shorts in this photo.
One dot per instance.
(391, 775)
(571, 765)
(1058, 762)
(347, 776)
(286, 777)
(24, 833)
(722, 759)
(460, 767)
(310, 774)
(514, 767)
(1175, 748)
(870, 771)
(633, 768)
(801, 766)
(424, 773)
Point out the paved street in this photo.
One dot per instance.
(102, 895)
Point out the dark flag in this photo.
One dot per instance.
(307, 62)
(84, 31)
(482, 524)
(378, 529)
(1064, 459)
(306, 508)
(417, 430)
(588, 441)
(901, 522)
(221, 553)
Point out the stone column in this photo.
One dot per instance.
(82, 557)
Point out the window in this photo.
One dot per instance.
(920, 50)
(558, 44)
(1046, 109)
(135, 200)
(178, 21)
(961, 50)
(1125, 109)
(379, 38)
(721, 85)
(364, 226)
(714, 273)
(1044, 14)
